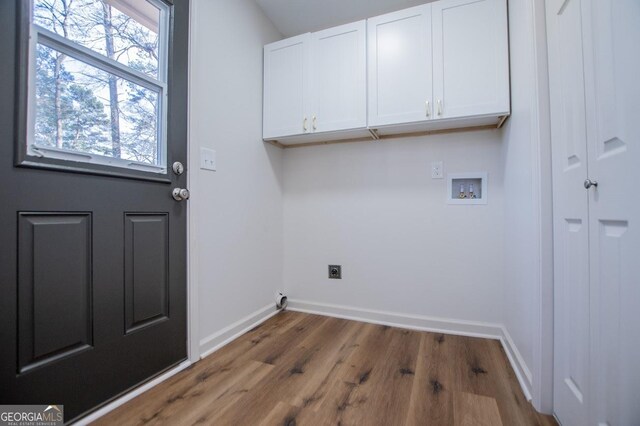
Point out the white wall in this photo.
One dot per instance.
(527, 215)
(373, 208)
(269, 219)
(236, 212)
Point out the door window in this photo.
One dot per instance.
(98, 82)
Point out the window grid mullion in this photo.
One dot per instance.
(88, 56)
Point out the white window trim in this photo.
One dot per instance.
(40, 35)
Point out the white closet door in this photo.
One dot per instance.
(400, 74)
(339, 78)
(470, 58)
(570, 204)
(286, 87)
(612, 74)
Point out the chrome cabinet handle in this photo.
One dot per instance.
(304, 124)
(427, 109)
(589, 183)
(439, 107)
(180, 194)
(314, 123)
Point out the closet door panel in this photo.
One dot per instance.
(612, 31)
(571, 224)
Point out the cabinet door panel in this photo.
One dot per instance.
(470, 58)
(399, 66)
(286, 67)
(339, 75)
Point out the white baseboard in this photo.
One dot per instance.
(424, 323)
(129, 396)
(215, 341)
(396, 319)
(525, 378)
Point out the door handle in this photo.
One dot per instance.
(304, 124)
(439, 107)
(589, 183)
(314, 123)
(180, 194)
(427, 109)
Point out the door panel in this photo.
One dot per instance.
(575, 310)
(608, 285)
(400, 80)
(571, 222)
(470, 58)
(612, 64)
(82, 265)
(594, 92)
(339, 78)
(54, 282)
(286, 87)
(146, 266)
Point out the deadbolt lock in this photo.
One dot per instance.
(177, 168)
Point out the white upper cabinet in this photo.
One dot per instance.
(339, 78)
(470, 58)
(316, 83)
(441, 65)
(286, 87)
(399, 65)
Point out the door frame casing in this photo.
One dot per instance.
(193, 329)
(542, 389)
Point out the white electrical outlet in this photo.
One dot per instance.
(437, 170)
(208, 159)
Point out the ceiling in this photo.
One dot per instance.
(293, 17)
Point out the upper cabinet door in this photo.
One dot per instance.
(470, 58)
(399, 65)
(286, 87)
(339, 78)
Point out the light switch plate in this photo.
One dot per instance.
(437, 170)
(208, 159)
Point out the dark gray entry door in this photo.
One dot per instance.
(93, 258)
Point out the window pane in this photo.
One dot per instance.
(123, 30)
(84, 109)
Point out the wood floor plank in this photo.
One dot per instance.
(475, 410)
(484, 370)
(282, 414)
(316, 386)
(352, 385)
(431, 397)
(300, 369)
(396, 370)
(213, 404)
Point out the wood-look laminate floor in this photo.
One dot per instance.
(300, 369)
